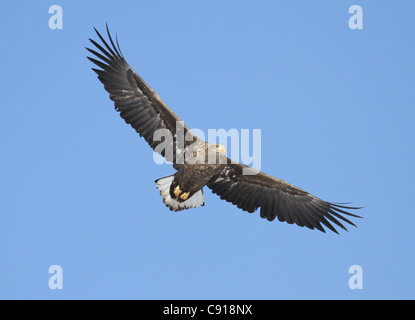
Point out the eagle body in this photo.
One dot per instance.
(199, 164)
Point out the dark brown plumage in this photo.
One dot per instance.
(143, 109)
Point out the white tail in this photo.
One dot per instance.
(163, 184)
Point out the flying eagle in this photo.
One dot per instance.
(144, 110)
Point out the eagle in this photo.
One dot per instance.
(146, 112)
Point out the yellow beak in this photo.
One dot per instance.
(221, 149)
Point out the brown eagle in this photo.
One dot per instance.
(143, 109)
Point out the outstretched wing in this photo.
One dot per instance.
(277, 199)
(137, 103)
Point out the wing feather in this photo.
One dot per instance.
(277, 199)
(137, 103)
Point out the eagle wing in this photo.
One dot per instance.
(137, 103)
(277, 199)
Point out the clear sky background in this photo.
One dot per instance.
(336, 110)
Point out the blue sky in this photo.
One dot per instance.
(335, 107)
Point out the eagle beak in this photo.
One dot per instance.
(221, 149)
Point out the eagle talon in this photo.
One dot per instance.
(185, 195)
(177, 191)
